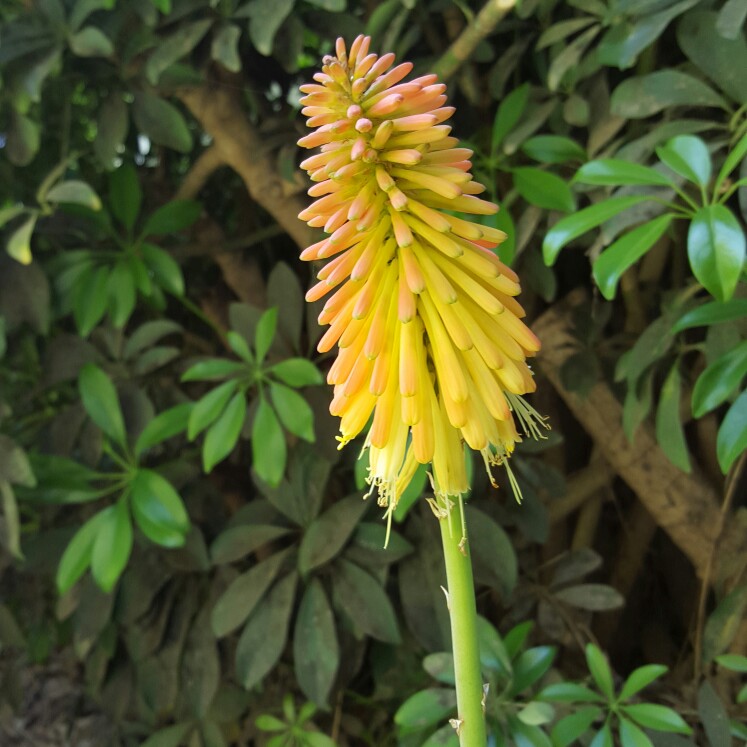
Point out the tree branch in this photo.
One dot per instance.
(241, 147)
(684, 506)
(202, 169)
(481, 25)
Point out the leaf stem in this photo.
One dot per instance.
(463, 614)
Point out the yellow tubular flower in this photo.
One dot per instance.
(430, 335)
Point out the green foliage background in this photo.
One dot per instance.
(174, 512)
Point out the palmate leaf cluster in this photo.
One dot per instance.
(174, 512)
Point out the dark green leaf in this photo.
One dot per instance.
(568, 692)
(536, 714)
(426, 708)
(493, 652)
(652, 716)
(508, 115)
(625, 252)
(297, 372)
(524, 735)
(571, 727)
(91, 42)
(723, 623)
(237, 542)
(225, 47)
(503, 221)
(365, 602)
(316, 653)
(713, 312)
(716, 384)
(637, 406)
(544, 189)
(19, 243)
(734, 662)
(224, 433)
(614, 172)
(263, 639)
(440, 667)
(112, 547)
(147, 334)
(553, 149)
(111, 130)
(368, 543)
(573, 226)
(721, 59)
(125, 195)
(15, 467)
(172, 217)
(91, 297)
(284, 291)
(7, 214)
(735, 157)
(530, 667)
(101, 402)
(328, 534)
(10, 536)
(645, 95)
(716, 249)
(632, 736)
(713, 716)
(268, 445)
(265, 333)
(158, 509)
(23, 139)
(213, 369)
(170, 736)
(627, 38)
(492, 553)
(265, 722)
(446, 737)
(76, 192)
(568, 57)
(731, 19)
(600, 670)
(164, 267)
(516, 638)
(603, 737)
(154, 358)
(122, 294)
(165, 425)
(239, 346)
(688, 156)
(175, 46)
(732, 435)
(649, 347)
(266, 16)
(640, 678)
(559, 31)
(77, 555)
(669, 429)
(593, 597)
(293, 410)
(239, 600)
(207, 409)
(161, 122)
(332, 6)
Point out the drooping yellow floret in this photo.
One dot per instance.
(431, 342)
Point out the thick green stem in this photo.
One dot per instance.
(463, 614)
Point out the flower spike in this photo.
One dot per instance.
(431, 342)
